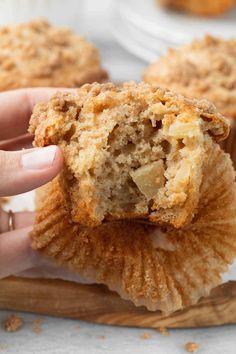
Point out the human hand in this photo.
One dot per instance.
(21, 171)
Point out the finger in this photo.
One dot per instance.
(24, 141)
(16, 108)
(19, 220)
(25, 170)
(16, 254)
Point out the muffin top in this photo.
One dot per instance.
(38, 54)
(202, 69)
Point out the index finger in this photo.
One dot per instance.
(16, 108)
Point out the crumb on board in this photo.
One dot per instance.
(77, 326)
(146, 335)
(13, 323)
(37, 325)
(164, 331)
(191, 347)
(101, 337)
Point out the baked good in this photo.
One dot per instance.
(37, 54)
(131, 152)
(205, 68)
(162, 268)
(200, 7)
(165, 266)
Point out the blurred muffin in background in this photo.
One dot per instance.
(38, 54)
(202, 69)
(199, 7)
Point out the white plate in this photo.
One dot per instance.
(148, 30)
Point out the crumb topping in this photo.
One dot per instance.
(37, 54)
(146, 335)
(204, 68)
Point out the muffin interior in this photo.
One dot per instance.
(144, 167)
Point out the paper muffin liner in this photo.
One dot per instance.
(59, 12)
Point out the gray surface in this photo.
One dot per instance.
(63, 336)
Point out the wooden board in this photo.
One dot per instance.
(97, 304)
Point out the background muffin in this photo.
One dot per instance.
(202, 69)
(200, 7)
(38, 54)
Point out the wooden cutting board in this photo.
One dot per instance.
(97, 304)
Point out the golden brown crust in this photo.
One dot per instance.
(202, 69)
(200, 7)
(79, 125)
(37, 54)
(164, 269)
(47, 117)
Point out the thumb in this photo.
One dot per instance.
(21, 171)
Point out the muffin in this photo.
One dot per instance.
(131, 151)
(200, 7)
(107, 133)
(38, 54)
(205, 68)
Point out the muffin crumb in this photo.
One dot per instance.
(37, 325)
(192, 347)
(13, 323)
(146, 335)
(164, 331)
(101, 337)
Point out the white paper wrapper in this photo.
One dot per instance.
(59, 12)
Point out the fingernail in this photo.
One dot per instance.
(39, 159)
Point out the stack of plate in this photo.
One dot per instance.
(147, 30)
